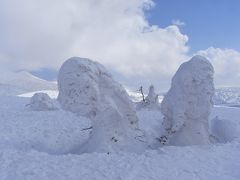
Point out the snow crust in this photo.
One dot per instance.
(86, 88)
(188, 103)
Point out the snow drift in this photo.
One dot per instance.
(188, 103)
(86, 88)
(42, 102)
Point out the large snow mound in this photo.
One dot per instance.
(188, 103)
(86, 88)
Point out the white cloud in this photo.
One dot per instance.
(36, 34)
(177, 22)
(226, 63)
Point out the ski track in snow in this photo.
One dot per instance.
(36, 145)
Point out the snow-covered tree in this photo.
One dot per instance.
(86, 88)
(152, 97)
(151, 101)
(42, 102)
(188, 103)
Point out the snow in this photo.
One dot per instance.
(152, 97)
(16, 83)
(228, 96)
(188, 103)
(51, 93)
(46, 145)
(42, 102)
(167, 163)
(39, 144)
(150, 102)
(86, 88)
(54, 132)
(225, 123)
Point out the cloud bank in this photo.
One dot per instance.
(226, 63)
(43, 34)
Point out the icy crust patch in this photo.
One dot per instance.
(55, 132)
(173, 163)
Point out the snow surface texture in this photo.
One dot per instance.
(188, 103)
(37, 145)
(55, 132)
(42, 102)
(225, 126)
(86, 88)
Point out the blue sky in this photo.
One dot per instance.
(207, 22)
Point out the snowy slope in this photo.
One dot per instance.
(170, 163)
(38, 145)
(136, 96)
(229, 96)
(23, 82)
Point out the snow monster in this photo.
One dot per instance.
(187, 105)
(86, 88)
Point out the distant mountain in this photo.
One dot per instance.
(22, 82)
(229, 96)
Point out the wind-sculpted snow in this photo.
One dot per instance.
(42, 102)
(86, 88)
(188, 103)
(152, 97)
